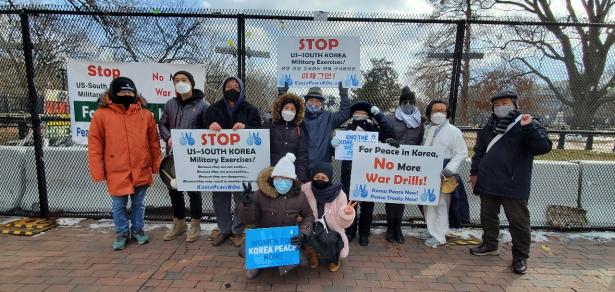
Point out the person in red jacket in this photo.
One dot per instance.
(124, 151)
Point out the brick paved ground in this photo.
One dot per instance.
(80, 259)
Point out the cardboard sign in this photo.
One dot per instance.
(270, 247)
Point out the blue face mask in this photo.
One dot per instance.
(312, 108)
(282, 185)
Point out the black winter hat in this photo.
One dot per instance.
(187, 74)
(505, 94)
(323, 167)
(122, 83)
(407, 95)
(361, 105)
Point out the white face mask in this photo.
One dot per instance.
(182, 87)
(503, 110)
(288, 115)
(438, 118)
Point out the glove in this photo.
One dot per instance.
(335, 142)
(447, 172)
(283, 90)
(343, 91)
(374, 110)
(247, 197)
(392, 142)
(298, 239)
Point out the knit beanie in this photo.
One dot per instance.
(322, 167)
(285, 167)
(122, 83)
(187, 74)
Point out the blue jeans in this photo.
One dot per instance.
(120, 214)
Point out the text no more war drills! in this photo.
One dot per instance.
(382, 163)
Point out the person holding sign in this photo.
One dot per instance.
(330, 205)
(231, 112)
(365, 118)
(408, 127)
(124, 151)
(440, 133)
(319, 123)
(285, 132)
(185, 111)
(501, 175)
(278, 202)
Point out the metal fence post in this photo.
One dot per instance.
(456, 73)
(241, 47)
(36, 120)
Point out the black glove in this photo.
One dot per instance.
(247, 196)
(392, 142)
(343, 91)
(283, 90)
(297, 239)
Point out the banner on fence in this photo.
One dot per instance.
(348, 138)
(324, 61)
(270, 247)
(404, 175)
(219, 161)
(88, 80)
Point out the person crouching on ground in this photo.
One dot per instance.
(278, 202)
(124, 151)
(329, 204)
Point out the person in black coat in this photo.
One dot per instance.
(231, 112)
(368, 118)
(501, 175)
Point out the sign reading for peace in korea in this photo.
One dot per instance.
(404, 175)
(219, 161)
(270, 247)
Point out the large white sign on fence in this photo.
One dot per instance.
(88, 80)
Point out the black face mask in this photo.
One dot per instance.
(320, 184)
(126, 101)
(364, 124)
(231, 95)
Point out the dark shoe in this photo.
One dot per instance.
(390, 235)
(351, 236)
(220, 239)
(483, 249)
(519, 266)
(363, 240)
(251, 274)
(399, 236)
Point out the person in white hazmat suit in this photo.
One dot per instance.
(440, 133)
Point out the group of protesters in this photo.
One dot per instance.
(299, 187)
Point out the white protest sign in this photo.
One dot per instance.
(322, 61)
(88, 80)
(219, 161)
(404, 175)
(348, 138)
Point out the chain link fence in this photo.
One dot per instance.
(463, 62)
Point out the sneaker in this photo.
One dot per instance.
(519, 266)
(141, 237)
(251, 274)
(120, 242)
(483, 249)
(220, 239)
(433, 242)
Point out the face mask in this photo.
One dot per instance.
(288, 115)
(125, 100)
(282, 185)
(407, 109)
(312, 108)
(360, 117)
(182, 87)
(503, 110)
(231, 95)
(321, 184)
(438, 118)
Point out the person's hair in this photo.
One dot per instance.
(430, 105)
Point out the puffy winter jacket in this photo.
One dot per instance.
(179, 114)
(243, 112)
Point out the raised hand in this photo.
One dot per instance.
(526, 119)
(247, 197)
(350, 207)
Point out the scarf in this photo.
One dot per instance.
(501, 124)
(327, 194)
(412, 120)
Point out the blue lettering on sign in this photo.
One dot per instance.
(81, 132)
(270, 247)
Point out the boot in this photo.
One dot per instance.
(333, 267)
(312, 257)
(179, 227)
(399, 236)
(390, 235)
(195, 230)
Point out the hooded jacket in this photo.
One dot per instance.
(243, 112)
(123, 146)
(178, 114)
(272, 210)
(288, 137)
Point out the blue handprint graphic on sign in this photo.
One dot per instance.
(429, 195)
(186, 138)
(351, 81)
(360, 191)
(257, 139)
(286, 79)
(250, 140)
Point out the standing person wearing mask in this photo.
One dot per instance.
(286, 134)
(368, 118)
(319, 123)
(124, 151)
(501, 175)
(408, 130)
(185, 111)
(231, 112)
(440, 133)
